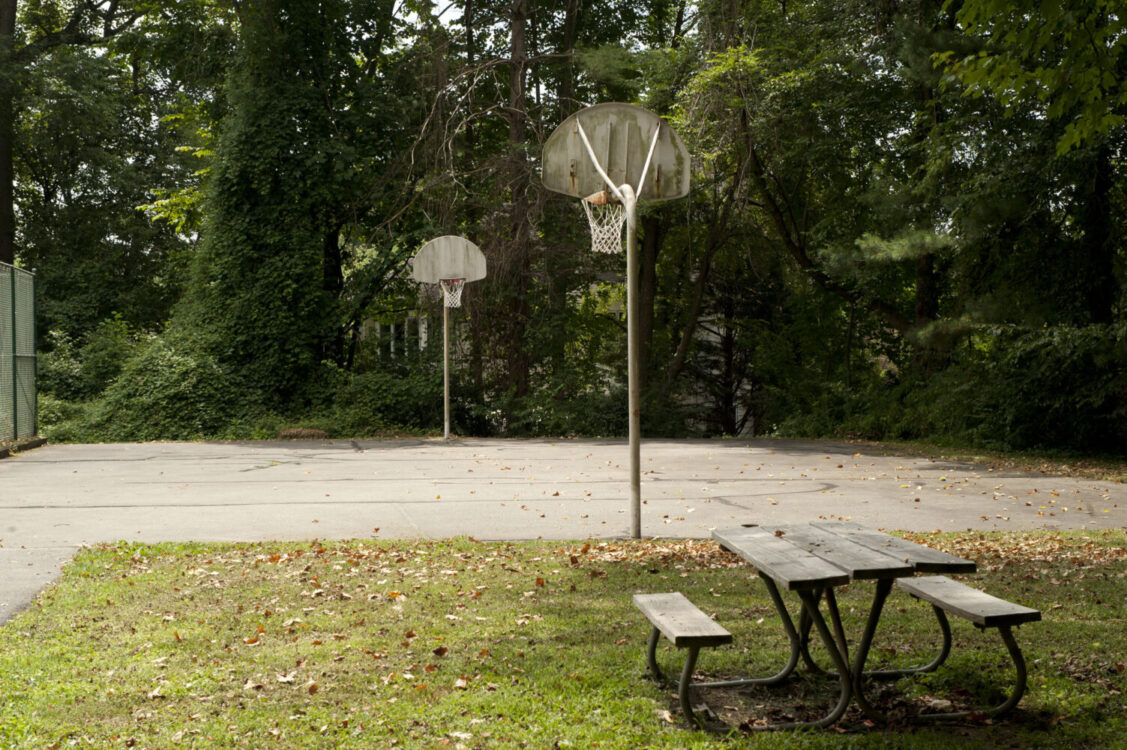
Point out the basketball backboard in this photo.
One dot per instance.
(448, 257)
(621, 136)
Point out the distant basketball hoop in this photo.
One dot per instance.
(449, 262)
(452, 292)
(611, 156)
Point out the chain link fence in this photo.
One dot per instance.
(17, 353)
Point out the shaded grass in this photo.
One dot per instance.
(448, 643)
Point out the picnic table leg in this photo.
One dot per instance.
(804, 627)
(884, 586)
(835, 618)
(810, 600)
(1015, 696)
(651, 655)
(683, 685)
(792, 635)
(944, 652)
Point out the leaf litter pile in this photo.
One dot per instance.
(462, 643)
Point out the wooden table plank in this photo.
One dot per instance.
(791, 567)
(976, 606)
(680, 621)
(858, 560)
(923, 559)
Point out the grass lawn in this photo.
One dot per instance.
(460, 643)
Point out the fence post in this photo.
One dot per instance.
(15, 367)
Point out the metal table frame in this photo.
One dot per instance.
(823, 573)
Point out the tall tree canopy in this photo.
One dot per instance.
(905, 218)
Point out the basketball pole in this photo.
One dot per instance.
(634, 388)
(445, 372)
(625, 193)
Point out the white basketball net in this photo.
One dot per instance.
(452, 291)
(606, 226)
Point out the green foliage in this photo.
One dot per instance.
(88, 151)
(1007, 388)
(64, 421)
(1017, 389)
(873, 246)
(286, 178)
(1065, 57)
(59, 370)
(390, 399)
(79, 372)
(171, 390)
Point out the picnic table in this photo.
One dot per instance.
(813, 559)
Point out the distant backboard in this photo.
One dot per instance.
(620, 135)
(448, 257)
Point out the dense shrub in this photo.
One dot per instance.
(170, 390)
(371, 402)
(75, 372)
(1007, 388)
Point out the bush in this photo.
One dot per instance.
(1007, 388)
(376, 401)
(74, 372)
(170, 390)
(64, 421)
(59, 371)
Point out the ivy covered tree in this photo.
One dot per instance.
(295, 165)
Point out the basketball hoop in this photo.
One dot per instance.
(452, 291)
(650, 164)
(605, 215)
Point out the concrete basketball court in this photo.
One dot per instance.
(57, 498)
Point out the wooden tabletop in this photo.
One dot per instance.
(831, 553)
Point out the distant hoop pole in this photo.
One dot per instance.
(448, 261)
(445, 372)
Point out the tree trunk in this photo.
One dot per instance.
(925, 353)
(1099, 247)
(332, 283)
(7, 133)
(559, 262)
(566, 93)
(518, 364)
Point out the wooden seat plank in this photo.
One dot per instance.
(680, 621)
(778, 558)
(924, 559)
(859, 561)
(974, 605)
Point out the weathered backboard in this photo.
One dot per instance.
(448, 257)
(620, 135)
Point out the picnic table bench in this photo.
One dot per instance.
(812, 560)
